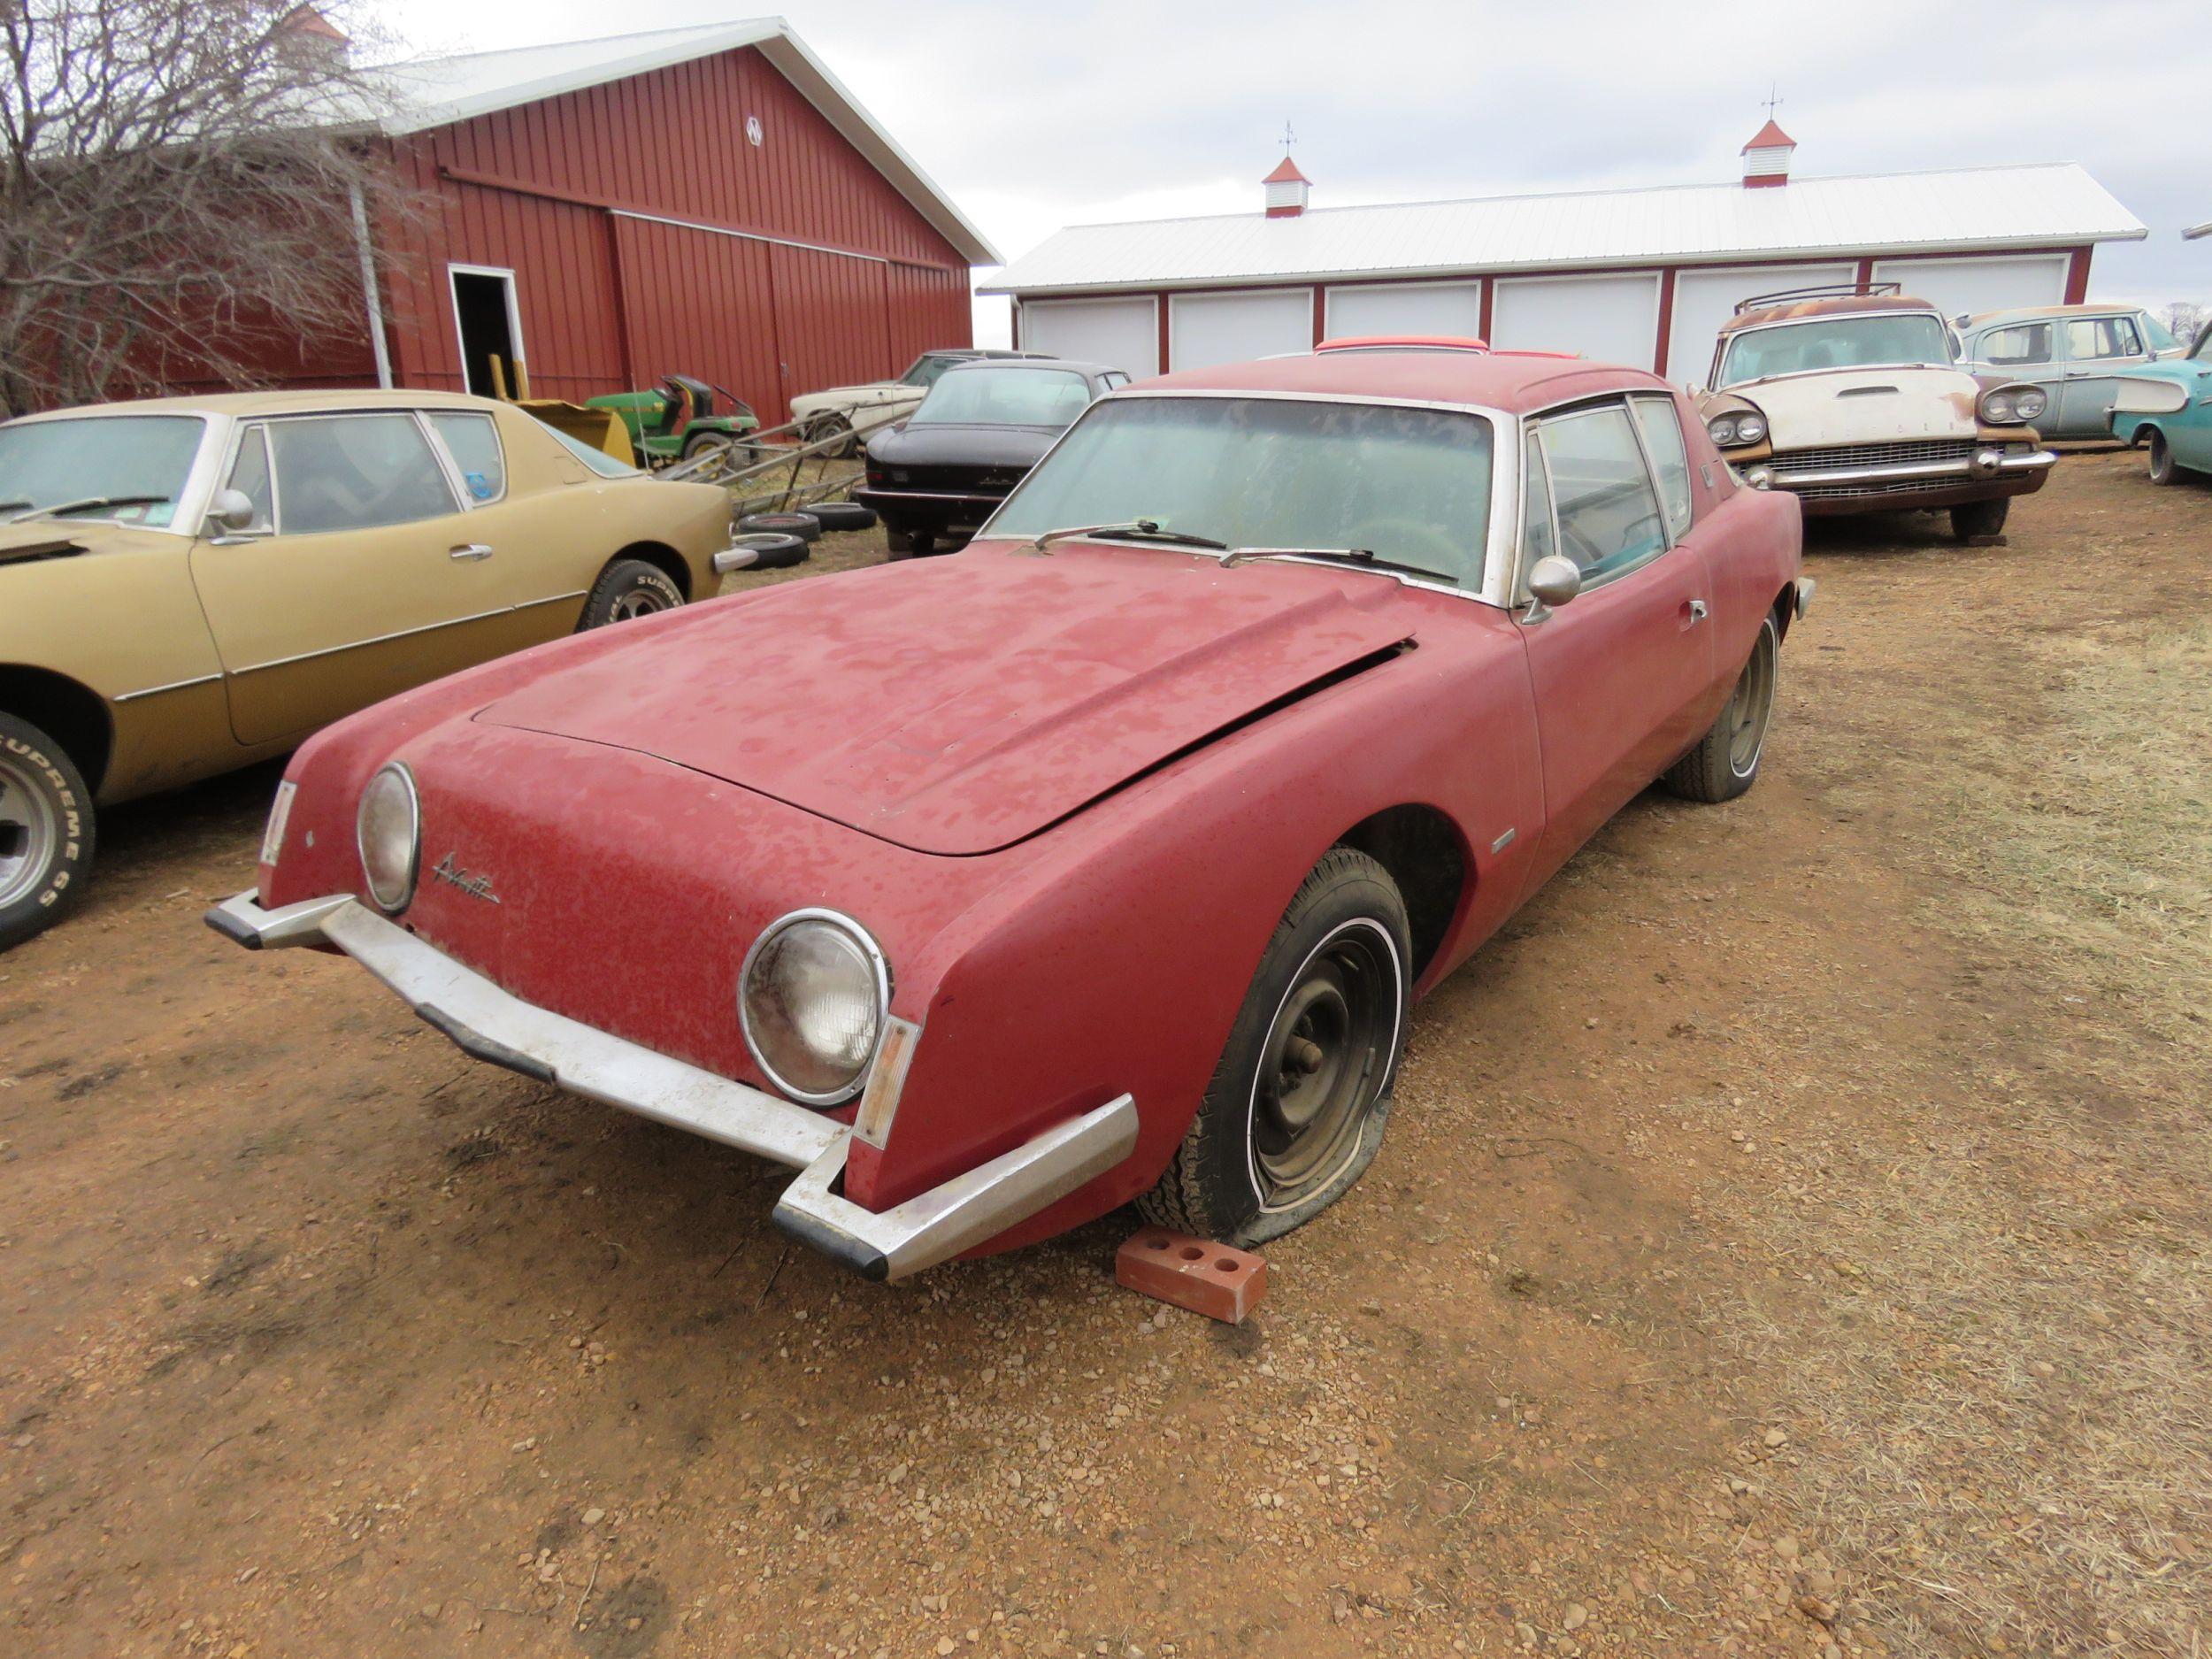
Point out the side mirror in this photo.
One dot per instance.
(1554, 581)
(231, 509)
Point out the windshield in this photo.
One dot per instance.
(1836, 342)
(1005, 397)
(1410, 486)
(926, 368)
(128, 468)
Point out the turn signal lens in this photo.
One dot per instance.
(389, 834)
(280, 815)
(814, 993)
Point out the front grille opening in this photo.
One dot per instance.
(1877, 454)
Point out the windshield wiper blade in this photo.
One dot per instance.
(84, 503)
(1134, 530)
(1364, 556)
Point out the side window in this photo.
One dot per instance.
(2022, 343)
(1536, 537)
(249, 474)
(473, 442)
(1663, 436)
(1609, 518)
(354, 473)
(2088, 338)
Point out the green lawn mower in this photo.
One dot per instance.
(682, 419)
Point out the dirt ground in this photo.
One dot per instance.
(1792, 1238)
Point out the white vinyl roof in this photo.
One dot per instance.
(2056, 204)
(436, 91)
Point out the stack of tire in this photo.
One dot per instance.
(783, 539)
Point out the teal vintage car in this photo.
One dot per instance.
(2167, 408)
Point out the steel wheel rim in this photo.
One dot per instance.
(1749, 706)
(639, 602)
(1323, 1065)
(28, 832)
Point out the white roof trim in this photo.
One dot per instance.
(1951, 211)
(439, 91)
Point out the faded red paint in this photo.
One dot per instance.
(1098, 886)
(1666, 321)
(2077, 277)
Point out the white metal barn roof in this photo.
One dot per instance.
(2056, 204)
(434, 91)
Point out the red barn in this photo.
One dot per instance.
(707, 201)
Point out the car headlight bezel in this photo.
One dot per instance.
(1736, 428)
(391, 885)
(2009, 406)
(780, 1070)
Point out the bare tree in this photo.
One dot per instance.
(2186, 321)
(179, 182)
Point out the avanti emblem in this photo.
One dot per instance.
(476, 885)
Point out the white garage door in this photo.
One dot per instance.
(1962, 287)
(1703, 300)
(1205, 328)
(1606, 318)
(1121, 333)
(1407, 308)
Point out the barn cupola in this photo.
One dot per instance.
(308, 35)
(1286, 189)
(1766, 158)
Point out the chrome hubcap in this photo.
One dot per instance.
(28, 832)
(1748, 708)
(1323, 1066)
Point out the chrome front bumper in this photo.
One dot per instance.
(1929, 471)
(493, 1024)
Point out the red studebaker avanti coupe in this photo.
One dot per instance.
(1102, 861)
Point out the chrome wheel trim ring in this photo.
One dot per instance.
(1752, 705)
(29, 832)
(639, 602)
(1360, 1048)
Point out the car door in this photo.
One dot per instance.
(2095, 346)
(358, 578)
(1621, 673)
(2026, 352)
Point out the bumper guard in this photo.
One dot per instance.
(496, 1025)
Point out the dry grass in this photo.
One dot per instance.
(2006, 1377)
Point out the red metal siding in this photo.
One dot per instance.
(569, 193)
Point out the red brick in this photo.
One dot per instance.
(1215, 1280)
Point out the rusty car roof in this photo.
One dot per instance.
(2029, 314)
(1509, 382)
(1834, 306)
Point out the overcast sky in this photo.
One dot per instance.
(1035, 116)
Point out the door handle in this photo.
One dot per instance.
(1696, 611)
(470, 551)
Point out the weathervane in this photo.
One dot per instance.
(1771, 100)
(1289, 138)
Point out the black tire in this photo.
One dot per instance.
(796, 524)
(773, 552)
(626, 590)
(1726, 762)
(2162, 468)
(1282, 1134)
(841, 515)
(47, 832)
(1974, 519)
(699, 443)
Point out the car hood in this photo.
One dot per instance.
(874, 389)
(1832, 406)
(958, 705)
(936, 443)
(39, 539)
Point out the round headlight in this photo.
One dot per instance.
(1750, 429)
(1722, 430)
(389, 833)
(1997, 409)
(812, 998)
(2031, 402)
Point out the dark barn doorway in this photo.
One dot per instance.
(484, 310)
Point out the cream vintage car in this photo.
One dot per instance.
(853, 412)
(188, 584)
(1853, 401)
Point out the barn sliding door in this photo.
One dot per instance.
(832, 319)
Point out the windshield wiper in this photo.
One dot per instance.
(86, 502)
(1135, 530)
(1361, 556)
